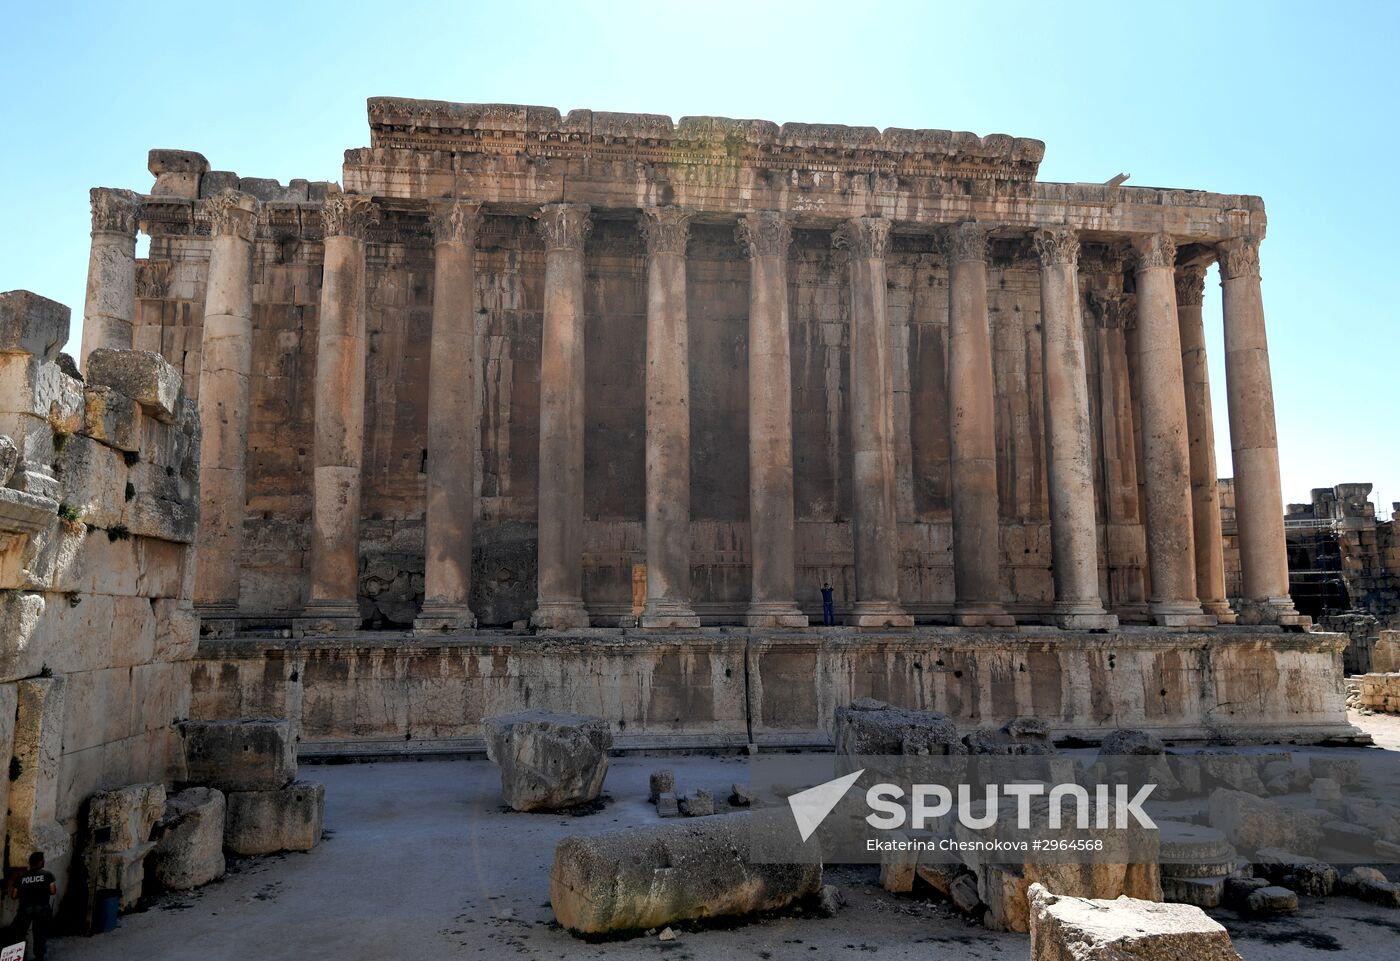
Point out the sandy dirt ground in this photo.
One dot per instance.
(422, 862)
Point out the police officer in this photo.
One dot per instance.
(34, 890)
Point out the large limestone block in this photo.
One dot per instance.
(124, 818)
(123, 871)
(177, 172)
(142, 375)
(1252, 822)
(34, 768)
(547, 760)
(31, 324)
(240, 755)
(873, 728)
(112, 418)
(190, 847)
(1079, 929)
(635, 879)
(93, 476)
(265, 822)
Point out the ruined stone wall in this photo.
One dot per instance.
(509, 277)
(98, 502)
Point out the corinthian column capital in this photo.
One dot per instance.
(665, 229)
(233, 213)
(349, 215)
(867, 237)
(1190, 285)
(1057, 245)
(564, 226)
(1239, 257)
(1154, 250)
(767, 233)
(114, 211)
(964, 241)
(455, 222)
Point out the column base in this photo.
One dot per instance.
(327, 617)
(663, 614)
(879, 614)
(1273, 610)
(444, 618)
(1181, 614)
(1084, 618)
(1224, 614)
(559, 616)
(775, 615)
(982, 615)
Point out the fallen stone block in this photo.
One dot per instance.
(240, 755)
(963, 892)
(1307, 876)
(1371, 885)
(1346, 771)
(1021, 736)
(1201, 892)
(124, 819)
(1128, 743)
(698, 804)
(1272, 900)
(1326, 793)
(635, 879)
(548, 761)
(897, 868)
(740, 795)
(1066, 928)
(30, 324)
(144, 376)
(190, 848)
(265, 822)
(1252, 822)
(123, 871)
(661, 782)
(1238, 890)
(668, 805)
(873, 728)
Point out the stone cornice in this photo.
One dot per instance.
(455, 222)
(115, 211)
(232, 213)
(1190, 285)
(1058, 245)
(464, 128)
(666, 230)
(866, 237)
(1154, 250)
(767, 233)
(564, 226)
(964, 241)
(1239, 257)
(348, 215)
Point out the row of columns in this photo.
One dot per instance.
(1185, 560)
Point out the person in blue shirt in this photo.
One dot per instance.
(828, 608)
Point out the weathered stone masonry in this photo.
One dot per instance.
(897, 447)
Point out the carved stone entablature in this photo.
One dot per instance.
(1057, 245)
(1190, 285)
(1111, 310)
(455, 222)
(1239, 257)
(429, 125)
(767, 233)
(564, 226)
(233, 213)
(666, 230)
(1154, 250)
(153, 279)
(115, 211)
(867, 237)
(348, 215)
(964, 241)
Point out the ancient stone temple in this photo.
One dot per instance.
(610, 371)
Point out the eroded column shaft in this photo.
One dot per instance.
(226, 362)
(109, 309)
(1069, 447)
(666, 230)
(451, 504)
(564, 229)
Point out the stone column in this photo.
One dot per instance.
(1254, 440)
(451, 506)
(875, 527)
(767, 235)
(1166, 453)
(972, 432)
(666, 230)
(1200, 430)
(1069, 447)
(226, 364)
(564, 228)
(338, 445)
(110, 308)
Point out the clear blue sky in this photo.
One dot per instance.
(1295, 102)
